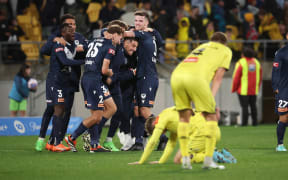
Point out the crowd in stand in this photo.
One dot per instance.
(177, 19)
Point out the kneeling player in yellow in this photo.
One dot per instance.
(168, 120)
(190, 83)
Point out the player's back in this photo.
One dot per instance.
(98, 49)
(205, 60)
(168, 119)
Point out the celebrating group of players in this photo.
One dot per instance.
(108, 60)
(120, 77)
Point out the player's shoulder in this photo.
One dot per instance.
(57, 47)
(282, 51)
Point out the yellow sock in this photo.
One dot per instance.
(198, 157)
(183, 136)
(211, 133)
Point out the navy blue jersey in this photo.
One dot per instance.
(147, 54)
(75, 70)
(280, 69)
(98, 50)
(115, 65)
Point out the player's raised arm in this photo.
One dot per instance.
(129, 34)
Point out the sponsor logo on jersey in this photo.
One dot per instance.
(191, 59)
(275, 64)
(59, 49)
(88, 62)
(19, 126)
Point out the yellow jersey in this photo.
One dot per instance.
(205, 60)
(168, 120)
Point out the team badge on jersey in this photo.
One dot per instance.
(111, 51)
(252, 67)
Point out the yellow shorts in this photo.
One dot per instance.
(187, 88)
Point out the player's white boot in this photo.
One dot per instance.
(129, 142)
(121, 137)
(210, 164)
(186, 164)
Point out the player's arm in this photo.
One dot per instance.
(129, 34)
(105, 68)
(47, 47)
(106, 62)
(150, 146)
(216, 82)
(59, 51)
(236, 77)
(169, 148)
(276, 72)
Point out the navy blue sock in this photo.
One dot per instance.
(281, 127)
(140, 130)
(81, 129)
(46, 118)
(134, 126)
(114, 125)
(94, 134)
(57, 129)
(101, 125)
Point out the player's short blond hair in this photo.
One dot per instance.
(219, 37)
(149, 124)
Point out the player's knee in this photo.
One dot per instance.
(96, 119)
(136, 111)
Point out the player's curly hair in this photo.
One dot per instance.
(149, 124)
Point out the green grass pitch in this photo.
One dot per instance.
(254, 148)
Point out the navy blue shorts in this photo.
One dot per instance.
(146, 89)
(95, 92)
(57, 88)
(281, 104)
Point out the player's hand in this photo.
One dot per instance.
(134, 163)
(277, 91)
(109, 81)
(79, 48)
(148, 30)
(154, 162)
(60, 40)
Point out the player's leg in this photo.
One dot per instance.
(68, 108)
(244, 102)
(183, 106)
(46, 118)
(253, 107)
(114, 124)
(281, 106)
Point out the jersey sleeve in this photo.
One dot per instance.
(59, 51)
(159, 40)
(227, 59)
(169, 148)
(110, 53)
(47, 47)
(151, 145)
(277, 63)
(140, 34)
